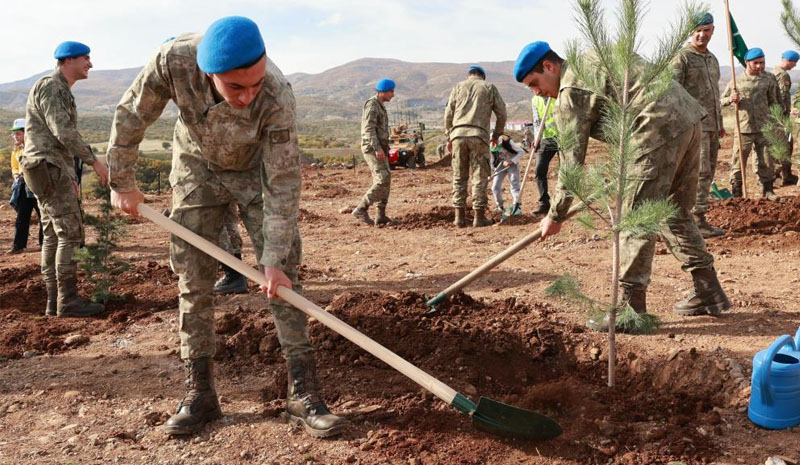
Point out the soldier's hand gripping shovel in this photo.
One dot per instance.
(488, 415)
(494, 261)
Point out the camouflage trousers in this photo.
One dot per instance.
(667, 172)
(709, 150)
(470, 161)
(378, 193)
(230, 240)
(763, 164)
(203, 211)
(55, 190)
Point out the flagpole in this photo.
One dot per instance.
(736, 104)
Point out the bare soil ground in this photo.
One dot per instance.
(96, 391)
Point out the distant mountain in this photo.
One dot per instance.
(338, 93)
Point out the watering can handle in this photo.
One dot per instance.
(767, 365)
(797, 338)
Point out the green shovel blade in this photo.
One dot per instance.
(506, 420)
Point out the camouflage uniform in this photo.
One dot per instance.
(757, 94)
(230, 240)
(51, 140)
(466, 122)
(669, 144)
(375, 137)
(698, 73)
(221, 155)
(785, 96)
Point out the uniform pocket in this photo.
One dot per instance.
(642, 171)
(39, 179)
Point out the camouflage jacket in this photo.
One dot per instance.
(253, 151)
(698, 73)
(784, 88)
(374, 126)
(757, 94)
(469, 110)
(658, 122)
(51, 126)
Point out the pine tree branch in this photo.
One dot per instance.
(790, 20)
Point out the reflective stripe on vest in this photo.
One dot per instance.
(538, 105)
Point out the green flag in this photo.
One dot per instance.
(739, 48)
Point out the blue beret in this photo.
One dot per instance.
(753, 53)
(229, 43)
(384, 85)
(477, 68)
(70, 49)
(529, 57)
(791, 55)
(703, 19)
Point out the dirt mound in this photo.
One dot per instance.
(143, 290)
(306, 216)
(746, 217)
(512, 352)
(331, 191)
(445, 161)
(437, 217)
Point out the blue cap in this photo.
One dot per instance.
(477, 68)
(753, 53)
(71, 49)
(384, 85)
(529, 57)
(791, 55)
(704, 18)
(229, 43)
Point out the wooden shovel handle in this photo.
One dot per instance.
(439, 389)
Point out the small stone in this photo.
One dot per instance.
(774, 461)
(673, 353)
(350, 459)
(470, 390)
(76, 340)
(71, 394)
(348, 405)
(595, 353)
(30, 354)
(344, 210)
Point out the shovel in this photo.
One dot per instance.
(488, 415)
(496, 260)
(720, 194)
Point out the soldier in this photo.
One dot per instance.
(231, 282)
(51, 140)
(697, 70)
(781, 73)
(757, 91)
(668, 143)
(375, 147)
(235, 141)
(466, 127)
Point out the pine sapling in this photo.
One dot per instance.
(613, 69)
(97, 259)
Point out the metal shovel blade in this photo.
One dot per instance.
(505, 420)
(501, 419)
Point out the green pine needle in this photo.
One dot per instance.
(630, 322)
(648, 217)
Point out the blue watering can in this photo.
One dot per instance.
(775, 386)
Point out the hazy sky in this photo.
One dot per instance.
(312, 36)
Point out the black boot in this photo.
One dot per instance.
(706, 230)
(543, 209)
(361, 212)
(232, 282)
(787, 178)
(52, 298)
(200, 405)
(480, 220)
(382, 219)
(304, 406)
(708, 297)
(70, 304)
(736, 188)
(460, 220)
(768, 193)
(636, 297)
